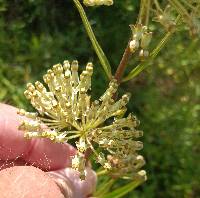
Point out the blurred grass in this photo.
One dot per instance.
(34, 35)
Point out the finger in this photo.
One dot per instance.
(71, 185)
(12, 142)
(11, 163)
(40, 152)
(27, 182)
(48, 155)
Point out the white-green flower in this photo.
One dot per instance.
(98, 2)
(66, 113)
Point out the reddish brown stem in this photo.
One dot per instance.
(88, 152)
(123, 63)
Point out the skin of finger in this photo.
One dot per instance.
(12, 143)
(40, 152)
(27, 182)
(50, 156)
(69, 177)
(11, 163)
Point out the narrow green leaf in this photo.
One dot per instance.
(104, 188)
(102, 57)
(120, 192)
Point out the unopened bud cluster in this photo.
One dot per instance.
(141, 39)
(166, 18)
(189, 13)
(98, 2)
(66, 112)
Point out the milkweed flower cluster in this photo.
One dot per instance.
(67, 112)
(98, 2)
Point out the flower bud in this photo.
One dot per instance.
(146, 39)
(137, 31)
(134, 45)
(143, 54)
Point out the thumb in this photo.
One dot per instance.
(71, 185)
(31, 182)
(27, 182)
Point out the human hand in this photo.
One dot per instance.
(23, 179)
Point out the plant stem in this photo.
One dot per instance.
(88, 152)
(122, 65)
(143, 18)
(102, 57)
(180, 9)
(102, 172)
(188, 4)
(142, 12)
(158, 6)
(104, 188)
(121, 191)
(148, 6)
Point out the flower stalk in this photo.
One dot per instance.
(180, 8)
(123, 63)
(138, 33)
(143, 17)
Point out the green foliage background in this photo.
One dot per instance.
(34, 35)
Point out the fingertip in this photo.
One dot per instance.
(27, 182)
(81, 188)
(87, 186)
